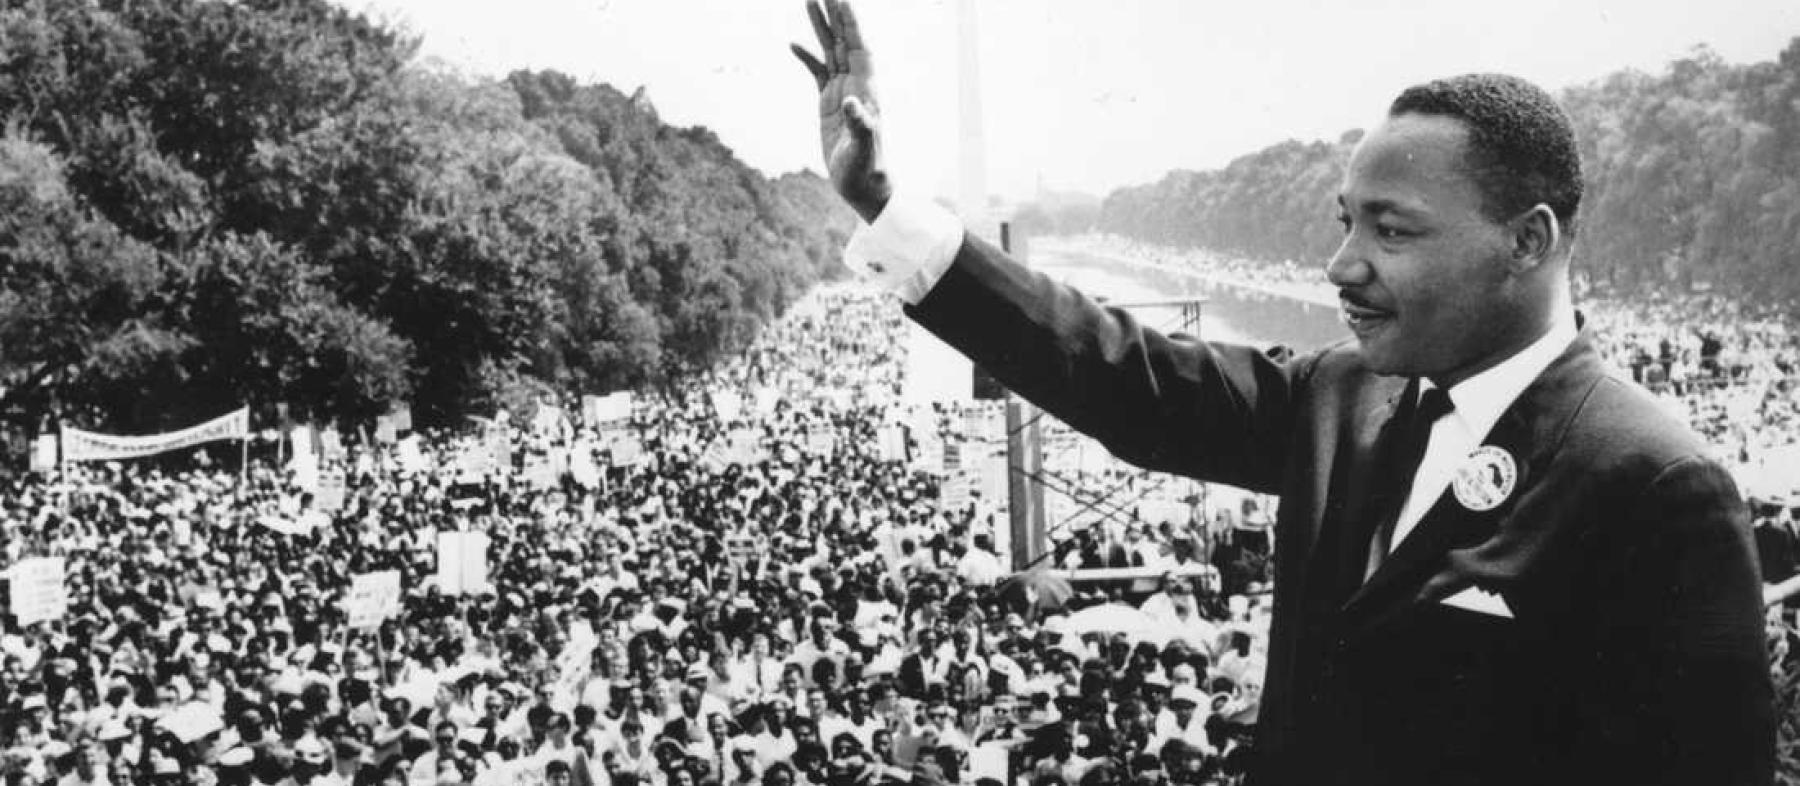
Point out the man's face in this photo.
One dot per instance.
(1423, 275)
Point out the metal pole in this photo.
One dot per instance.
(1024, 458)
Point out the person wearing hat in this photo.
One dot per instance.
(1182, 721)
(312, 763)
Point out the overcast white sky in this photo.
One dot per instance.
(1086, 94)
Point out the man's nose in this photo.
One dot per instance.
(1349, 267)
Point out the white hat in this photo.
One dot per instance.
(1187, 693)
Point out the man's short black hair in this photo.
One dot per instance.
(1521, 142)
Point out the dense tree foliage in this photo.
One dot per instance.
(1694, 182)
(204, 204)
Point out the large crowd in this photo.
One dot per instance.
(763, 578)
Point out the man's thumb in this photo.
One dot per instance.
(857, 116)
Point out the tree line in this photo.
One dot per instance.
(208, 204)
(1693, 184)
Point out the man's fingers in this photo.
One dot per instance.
(827, 39)
(840, 51)
(847, 29)
(812, 64)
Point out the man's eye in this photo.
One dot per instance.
(1388, 232)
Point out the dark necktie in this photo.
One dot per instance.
(1396, 478)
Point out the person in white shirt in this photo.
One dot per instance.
(978, 567)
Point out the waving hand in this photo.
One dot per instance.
(849, 132)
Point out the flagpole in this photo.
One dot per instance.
(244, 458)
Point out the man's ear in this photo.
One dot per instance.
(1537, 237)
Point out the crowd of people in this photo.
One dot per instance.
(760, 579)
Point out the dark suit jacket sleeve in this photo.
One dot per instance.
(1165, 402)
(1689, 661)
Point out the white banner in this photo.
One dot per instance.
(373, 597)
(81, 445)
(38, 591)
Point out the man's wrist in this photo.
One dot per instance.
(908, 249)
(869, 204)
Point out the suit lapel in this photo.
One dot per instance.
(1330, 574)
(1452, 546)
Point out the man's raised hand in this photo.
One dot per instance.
(849, 131)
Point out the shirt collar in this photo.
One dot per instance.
(1481, 399)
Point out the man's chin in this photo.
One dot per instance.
(1382, 358)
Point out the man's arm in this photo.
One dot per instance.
(1691, 674)
(1168, 402)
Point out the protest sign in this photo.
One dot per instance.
(741, 546)
(209, 599)
(627, 452)
(302, 440)
(989, 761)
(500, 445)
(538, 473)
(331, 446)
(610, 408)
(581, 465)
(373, 597)
(820, 440)
(929, 457)
(38, 591)
(43, 454)
(331, 492)
(766, 400)
(181, 530)
(956, 493)
(462, 563)
(892, 442)
(746, 447)
(550, 420)
(411, 457)
(79, 445)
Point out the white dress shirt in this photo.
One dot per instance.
(1479, 401)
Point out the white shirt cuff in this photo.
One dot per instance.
(907, 249)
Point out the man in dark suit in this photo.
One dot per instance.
(1497, 562)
